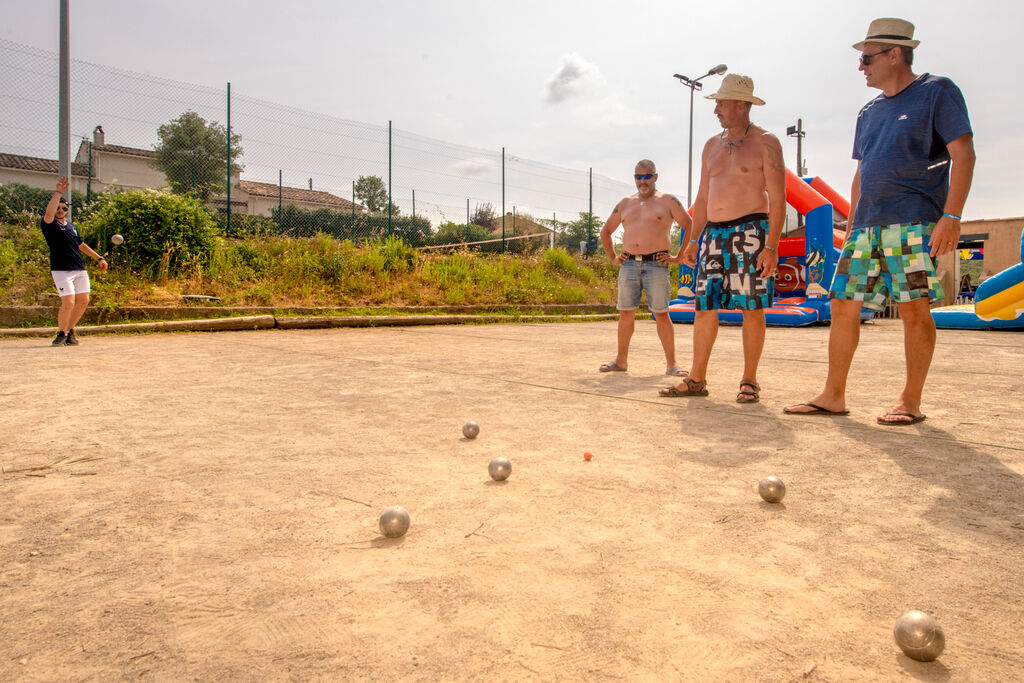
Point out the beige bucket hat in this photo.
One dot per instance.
(736, 87)
(891, 32)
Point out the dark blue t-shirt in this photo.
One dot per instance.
(63, 241)
(901, 145)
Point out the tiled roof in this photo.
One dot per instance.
(296, 194)
(129, 151)
(39, 165)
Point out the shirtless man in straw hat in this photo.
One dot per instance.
(737, 221)
(915, 160)
(647, 219)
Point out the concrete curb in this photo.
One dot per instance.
(265, 322)
(45, 316)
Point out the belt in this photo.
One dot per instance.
(642, 257)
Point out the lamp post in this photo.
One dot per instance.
(797, 132)
(695, 84)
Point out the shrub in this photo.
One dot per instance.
(18, 199)
(163, 233)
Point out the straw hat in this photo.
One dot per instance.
(891, 32)
(736, 87)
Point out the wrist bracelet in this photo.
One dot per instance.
(953, 216)
(772, 249)
(694, 241)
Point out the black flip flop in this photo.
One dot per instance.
(818, 410)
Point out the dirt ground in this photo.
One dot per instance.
(213, 514)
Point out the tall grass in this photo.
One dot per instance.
(320, 271)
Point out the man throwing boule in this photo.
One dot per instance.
(737, 221)
(647, 218)
(66, 264)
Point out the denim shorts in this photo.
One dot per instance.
(643, 276)
(887, 261)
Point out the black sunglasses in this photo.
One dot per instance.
(865, 60)
(643, 176)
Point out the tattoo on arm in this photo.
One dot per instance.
(616, 209)
(775, 157)
(678, 203)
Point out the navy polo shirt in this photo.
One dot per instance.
(901, 145)
(63, 241)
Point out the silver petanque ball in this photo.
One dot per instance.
(919, 636)
(394, 522)
(772, 489)
(499, 469)
(116, 239)
(470, 430)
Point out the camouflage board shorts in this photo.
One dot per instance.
(887, 261)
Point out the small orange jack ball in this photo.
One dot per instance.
(587, 456)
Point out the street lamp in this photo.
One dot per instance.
(797, 132)
(695, 84)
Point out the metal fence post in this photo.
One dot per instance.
(64, 103)
(389, 177)
(280, 200)
(228, 229)
(502, 200)
(353, 205)
(590, 210)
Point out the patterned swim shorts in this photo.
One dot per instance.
(727, 274)
(886, 261)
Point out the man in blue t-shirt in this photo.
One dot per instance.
(66, 265)
(915, 158)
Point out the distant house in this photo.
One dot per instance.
(41, 173)
(115, 166)
(262, 199)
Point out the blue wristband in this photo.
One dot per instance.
(953, 216)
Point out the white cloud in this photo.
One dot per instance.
(474, 166)
(573, 76)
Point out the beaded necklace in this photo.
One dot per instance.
(733, 143)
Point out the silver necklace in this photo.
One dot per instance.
(733, 143)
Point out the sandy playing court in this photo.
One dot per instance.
(213, 514)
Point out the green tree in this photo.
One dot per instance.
(193, 155)
(484, 215)
(571, 234)
(372, 193)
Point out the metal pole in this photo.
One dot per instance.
(64, 103)
(467, 215)
(389, 177)
(590, 210)
(799, 147)
(413, 207)
(88, 182)
(689, 158)
(353, 201)
(280, 200)
(228, 230)
(502, 200)
(554, 228)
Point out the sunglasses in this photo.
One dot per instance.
(865, 60)
(643, 176)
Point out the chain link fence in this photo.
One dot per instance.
(294, 172)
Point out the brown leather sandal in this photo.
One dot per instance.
(693, 388)
(745, 396)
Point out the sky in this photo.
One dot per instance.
(565, 82)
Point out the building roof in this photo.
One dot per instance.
(295, 194)
(128, 151)
(40, 165)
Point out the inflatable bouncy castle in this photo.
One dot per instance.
(806, 264)
(998, 303)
